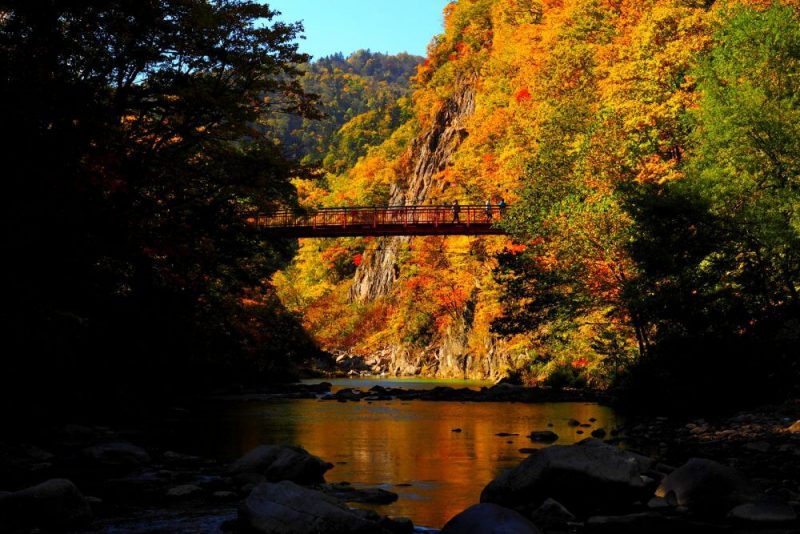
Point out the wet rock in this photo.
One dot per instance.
(278, 462)
(286, 508)
(348, 394)
(658, 503)
(528, 450)
(120, 454)
(505, 434)
(489, 519)
(224, 496)
(573, 422)
(764, 512)
(456, 430)
(184, 491)
(641, 523)
(552, 515)
(704, 487)
(600, 433)
(56, 504)
(397, 525)
(543, 436)
(345, 492)
(586, 476)
(182, 459)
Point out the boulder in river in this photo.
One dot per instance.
(489, 518)
(543, 436)
(585, 477)
(286, 508)
(278, 462)
(56, 504)
(703, 486)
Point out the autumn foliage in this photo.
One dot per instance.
(587, 113)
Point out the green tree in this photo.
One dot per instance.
(719, 252)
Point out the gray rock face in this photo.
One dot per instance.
(117, 454)
(56, 503)
(705, 487)
(489, 519)
(277, 462)
(584, 477)
(764, 512)
(286, 508)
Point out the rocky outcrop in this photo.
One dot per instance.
(286, 508)
(489, 519)
(589, 476)
(276, 462)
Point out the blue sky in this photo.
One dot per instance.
(348, 25)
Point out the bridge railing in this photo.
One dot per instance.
(370, 216)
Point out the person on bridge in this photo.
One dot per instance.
(502, 206)
(489, 210)
(456, 211)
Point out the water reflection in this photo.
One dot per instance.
(391, 443)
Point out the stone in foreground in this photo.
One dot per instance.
(489, 519)
(55, 504)
(585, 477)
(286, 508)
(552, 515)
(276, 463)
(764, 512)
(703, 486)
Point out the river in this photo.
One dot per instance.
(408, 447)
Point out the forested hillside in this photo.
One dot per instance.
(364, 85)
(649, 151)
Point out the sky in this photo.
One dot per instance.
(345, 26)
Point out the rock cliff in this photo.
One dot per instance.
(430, 154)
(447, 357)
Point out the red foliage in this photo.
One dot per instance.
(580, 363)
(357, 259)
(522, 95)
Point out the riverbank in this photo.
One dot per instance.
(126, 481)
(501, 392)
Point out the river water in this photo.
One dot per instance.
(408, 447)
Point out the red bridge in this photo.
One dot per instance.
(382, 221)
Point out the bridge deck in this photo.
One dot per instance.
(382, 221)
